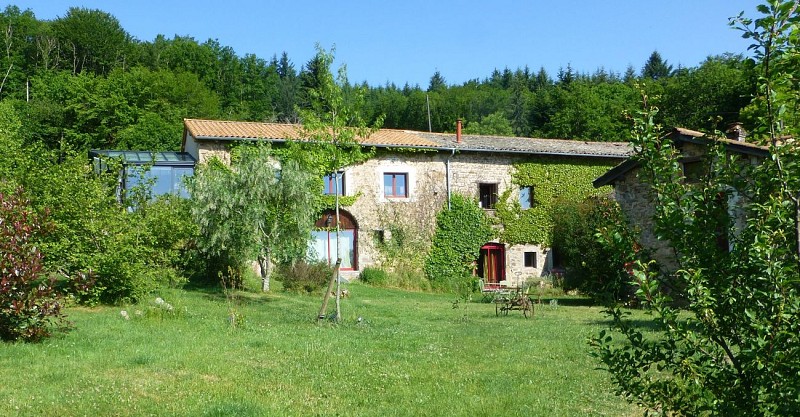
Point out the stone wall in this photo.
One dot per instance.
(634, 198)
(427, 182)
(207, 150)
(427, 194)
(377, 214)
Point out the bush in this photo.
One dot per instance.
(305, 277)
(594, 243)
(409, 279)
(29, 305)
(374, 276)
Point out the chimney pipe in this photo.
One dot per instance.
(458, 131)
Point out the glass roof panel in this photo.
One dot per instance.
(144, 157)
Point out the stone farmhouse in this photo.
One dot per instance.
(634, 196)
(410, 179)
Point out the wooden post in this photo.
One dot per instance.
(326, 298)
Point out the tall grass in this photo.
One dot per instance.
(395, 353)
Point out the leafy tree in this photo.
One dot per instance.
(251, 210)
(19, 59)
(518, 104)
(709, 96)
(735, 352)
(630, 74)
(566, 76)
(288, 88)
(334, 119)
(591, 111)
(91, 40)
(91, 231)
(494, 124)
(656, 67)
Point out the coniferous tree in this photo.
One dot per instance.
(437, 82)
(656, 68)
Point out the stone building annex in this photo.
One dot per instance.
(410, 179)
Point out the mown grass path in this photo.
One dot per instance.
(411, 354)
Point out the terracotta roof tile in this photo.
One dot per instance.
(220, 129)
(217, 129)
(228, 130)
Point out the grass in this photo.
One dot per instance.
(411, 354)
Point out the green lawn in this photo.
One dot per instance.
(411, 354)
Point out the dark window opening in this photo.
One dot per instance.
(487, 195)
(723, 218)
(693, 170)
(530, 259)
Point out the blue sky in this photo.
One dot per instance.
(407, 41)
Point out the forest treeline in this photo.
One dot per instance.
(81, 81)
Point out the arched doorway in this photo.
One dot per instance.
(323, 243)
(492, 263)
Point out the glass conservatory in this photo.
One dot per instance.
(163, 171)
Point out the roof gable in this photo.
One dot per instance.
(689, 136)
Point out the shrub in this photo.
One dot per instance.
(29, 305)
(304, 277)
(374, 276)
(594, 243)
(410, 279)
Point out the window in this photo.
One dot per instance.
(526, 196)
(530, 259)
(487, 194)
(147, 173)
(323, 245)
(693, 170)
(157, 180)
(329, 183)
(395, 185)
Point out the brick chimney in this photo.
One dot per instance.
(736, 132)
(458, 131)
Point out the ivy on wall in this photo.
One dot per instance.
(553, 180)
(460, 233)
(318, 159)
(328, 202)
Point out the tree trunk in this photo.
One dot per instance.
(264, 265)
(327, 296)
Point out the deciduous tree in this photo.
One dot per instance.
(254, 210)
(735, 351)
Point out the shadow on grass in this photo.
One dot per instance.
(638, 324)
(568, 301)
(243, 298)
(215, 292)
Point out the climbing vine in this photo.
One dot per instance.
(460, 233)
(553, 181)
(328, 202)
